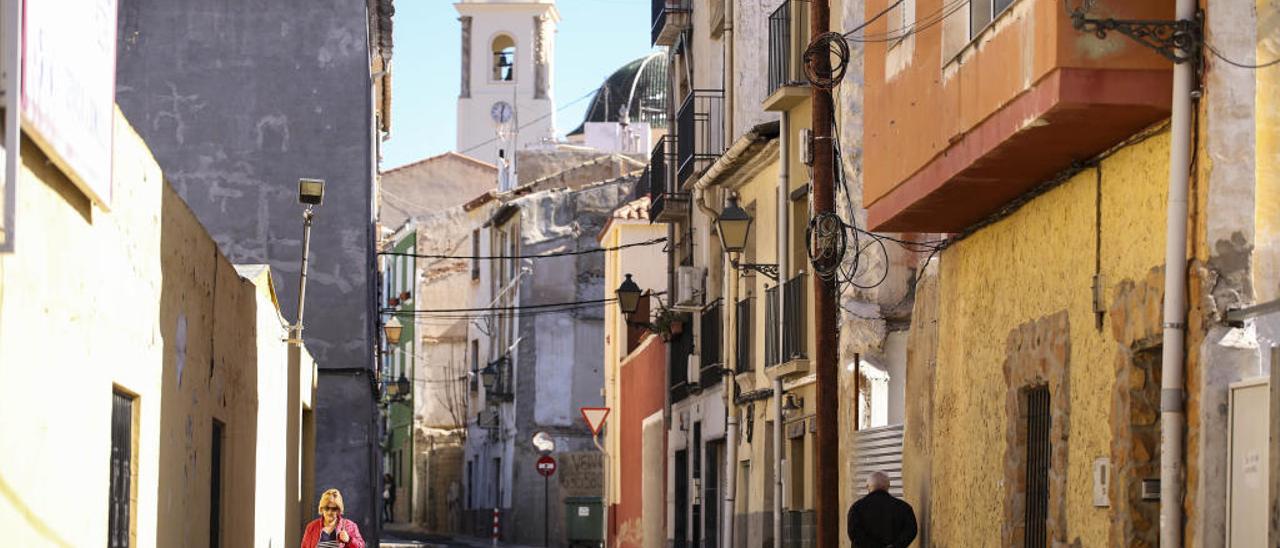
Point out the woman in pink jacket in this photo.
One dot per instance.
(331, 530)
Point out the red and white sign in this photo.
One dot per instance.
(595, 418)
(546, 466)
(68, 87)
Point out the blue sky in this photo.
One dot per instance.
(595, 38)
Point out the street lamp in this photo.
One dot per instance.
(400, 388)
(310, 193)
(628, 296)
(392, 329)
(734, 224)
(488, 376)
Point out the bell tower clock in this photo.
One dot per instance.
(506, 100)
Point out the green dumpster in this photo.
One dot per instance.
(584, 521)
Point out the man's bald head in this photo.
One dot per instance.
(877, 481)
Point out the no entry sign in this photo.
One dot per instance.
(546, 466)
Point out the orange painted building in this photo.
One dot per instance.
(643, 388)
(973, 110)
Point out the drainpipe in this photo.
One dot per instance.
(1172, 395)
(730, 387)
(784, 265)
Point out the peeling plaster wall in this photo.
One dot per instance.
(1225, 254)
(237, 104)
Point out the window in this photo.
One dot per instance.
(475, 254)
(475, 365)
(1037, 463)
(504, 58)
(119, 519)
(215, 485)
(983, 12)
(901, 18)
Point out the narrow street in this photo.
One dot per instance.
(640, 273)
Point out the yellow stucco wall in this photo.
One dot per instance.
(1267, 110)
(1037, 262)
(138, 300)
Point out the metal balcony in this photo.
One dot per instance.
(788, 36)
(771, 325)
(666, 202)
(794, 318)
(669, 17)
(699, 133)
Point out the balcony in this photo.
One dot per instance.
(669, 17)
(1016, 102)
(709, 340)
(771, 326)
(788, 37)
(699, 133)
(667, 203)
(794, 320)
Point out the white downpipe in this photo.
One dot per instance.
(784, 264)
(731, 311)
(1172, 397)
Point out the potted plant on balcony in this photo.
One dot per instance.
(668, 323)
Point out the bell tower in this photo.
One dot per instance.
(506, 101)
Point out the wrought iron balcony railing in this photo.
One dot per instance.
(788, 33)
(699, 132)
(667, 202)
(794, 318)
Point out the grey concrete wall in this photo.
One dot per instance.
(239, 99)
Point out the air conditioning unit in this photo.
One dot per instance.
(689, 285)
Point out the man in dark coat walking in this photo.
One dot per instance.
(880, 520)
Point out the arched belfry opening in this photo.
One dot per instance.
(504, 58)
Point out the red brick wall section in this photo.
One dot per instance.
(641, 394)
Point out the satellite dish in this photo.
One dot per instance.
(543, 442)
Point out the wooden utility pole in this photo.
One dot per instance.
(827, 474)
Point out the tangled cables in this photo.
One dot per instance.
(822, 71)
(829, 239)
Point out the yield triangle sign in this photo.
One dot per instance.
(595, 418)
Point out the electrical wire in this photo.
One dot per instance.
(653, 241)
(533, 121)
(1214, 51)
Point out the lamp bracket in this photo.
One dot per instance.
(769, 270)
(1178, 41)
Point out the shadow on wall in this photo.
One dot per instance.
(208, 397)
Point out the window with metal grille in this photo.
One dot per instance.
(1038, 455)
(121, 488)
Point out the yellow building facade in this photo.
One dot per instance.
(151, 378)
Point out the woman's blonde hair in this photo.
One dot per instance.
(333, 496)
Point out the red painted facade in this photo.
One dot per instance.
(641, 394)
